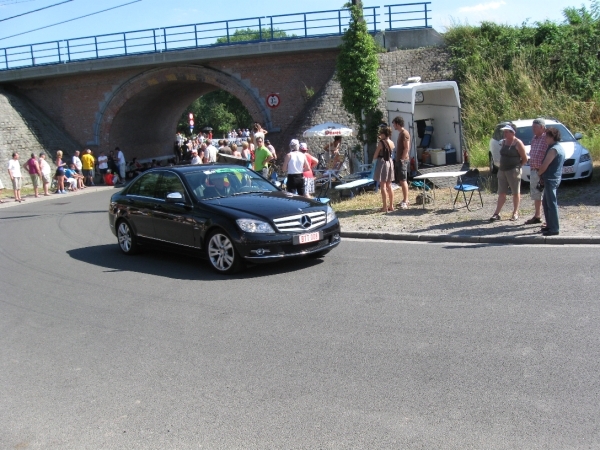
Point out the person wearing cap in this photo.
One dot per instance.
(295, 165)
(536, 158)
(46, 171)
(33, 168)
(308, 175)
(551, 173)
(512, 158)
(195, 158)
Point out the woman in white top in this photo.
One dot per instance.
(295, 165)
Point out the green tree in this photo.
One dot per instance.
(250, 34)
(357, 66)
(219, 110)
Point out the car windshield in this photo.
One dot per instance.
(526, 133)
(218, 182)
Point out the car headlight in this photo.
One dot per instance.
(585, 157)
(254, 226)
(330, 214)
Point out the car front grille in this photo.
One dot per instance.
(301, 222)
(569, 162)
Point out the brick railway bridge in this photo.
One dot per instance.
(135, 101)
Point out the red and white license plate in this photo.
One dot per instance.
(568, 169)
(308, 237)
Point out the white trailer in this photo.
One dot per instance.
(436, 103)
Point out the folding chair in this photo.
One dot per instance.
(426, 141)
(468, 184)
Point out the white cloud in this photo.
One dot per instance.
(481, 7)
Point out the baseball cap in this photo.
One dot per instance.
(303, 146)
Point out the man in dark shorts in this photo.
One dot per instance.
(402, 159)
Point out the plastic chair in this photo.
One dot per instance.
(468, 184)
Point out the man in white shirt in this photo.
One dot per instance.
(103, 164)
(78, 163)
(121, 163)
(195, 158)
(14, 170)
(211, 152)
(46, 171)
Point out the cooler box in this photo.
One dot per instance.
(451, 156)
(438, 157)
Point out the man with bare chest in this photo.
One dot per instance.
(402, 159)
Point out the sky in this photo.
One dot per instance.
(147, 14)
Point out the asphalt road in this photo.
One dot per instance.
(379, 345)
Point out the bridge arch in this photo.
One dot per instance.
(141, 115)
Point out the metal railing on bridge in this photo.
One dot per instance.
(211, 34)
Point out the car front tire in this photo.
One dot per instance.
(127, 238)
(222, 255)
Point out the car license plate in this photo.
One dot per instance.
(568, 169)
(306, 238)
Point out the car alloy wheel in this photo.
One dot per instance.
(222, 254)
(127, 240)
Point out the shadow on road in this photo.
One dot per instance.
(175, 266)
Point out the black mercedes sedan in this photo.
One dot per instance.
(228, 213)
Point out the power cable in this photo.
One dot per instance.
(70, 20)
(35, 10)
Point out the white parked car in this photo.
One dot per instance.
(578, 161)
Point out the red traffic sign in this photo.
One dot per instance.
(191, 116)
(191, 123)
(273, 100)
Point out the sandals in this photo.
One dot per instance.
(495, 217)
(514, 218)
(533, 220)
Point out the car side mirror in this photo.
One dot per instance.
(578, 136)
(175, 197)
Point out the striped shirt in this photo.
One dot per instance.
(537, 152)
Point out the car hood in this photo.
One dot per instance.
(268, 205)
(572, 149)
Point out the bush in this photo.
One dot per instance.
(545, 69)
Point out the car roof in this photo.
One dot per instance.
(520, 123)
(197, 167)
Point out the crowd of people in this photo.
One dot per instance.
(546, 159)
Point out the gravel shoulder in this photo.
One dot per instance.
(579, 211)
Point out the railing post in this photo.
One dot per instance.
(272, 30)
(58, 50)
(389, 17)
(260, 29)
(374, 21)
(340, 21)
(68, 52)
(154, 35)
(125, 42)
(96, 45)
(165, 38)
(6, 58)
(425, 15)
(32, 57)
(227, 28)
(305, 29)
(196, 34)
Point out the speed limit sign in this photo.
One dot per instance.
(273, 100)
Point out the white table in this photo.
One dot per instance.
(432, 175)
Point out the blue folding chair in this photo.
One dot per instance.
(469, 184)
